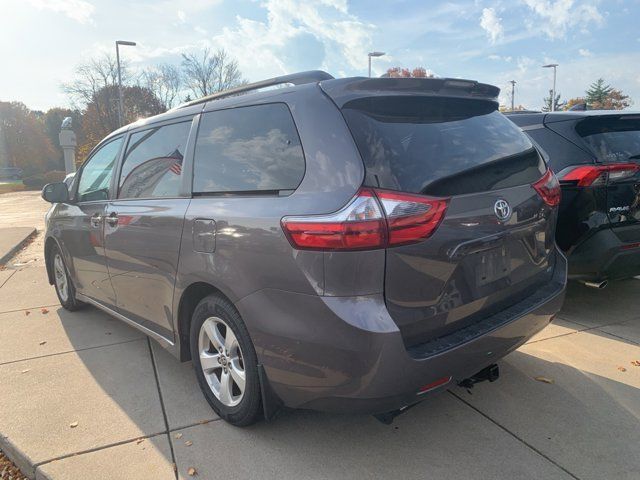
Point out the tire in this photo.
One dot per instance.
(215, 325)
(65, 290)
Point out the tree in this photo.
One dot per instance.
(558, 105)
(597, 93)
(418, 72)
(25, 142)
(573, 102)
(100, 116)
(93, 76)
(213, 72)
(165, 81)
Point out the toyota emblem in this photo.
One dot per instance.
(502, 210)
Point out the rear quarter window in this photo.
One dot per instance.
(440, 146)
(612, 139)
(248, 149)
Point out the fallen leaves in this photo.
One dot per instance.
(44, 311)
(622, 369)
(43, 342)
(73, 424)
(178, 436)
(192, 471)
(544, 380)
(635, 363)
(188, 443)
(25, 370)
(27, 313)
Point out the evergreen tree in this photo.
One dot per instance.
(598, 93)
(557, 103)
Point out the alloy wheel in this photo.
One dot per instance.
(60, 275)
(221, 361)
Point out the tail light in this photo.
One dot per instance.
(548, 188)
(595, 175)
(372, 219)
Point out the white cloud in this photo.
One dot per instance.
(584, 52)
(182, 17)
(78, 10)
(492, 24)
(554, 18)
(260, 46)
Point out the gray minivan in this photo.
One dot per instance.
(338, 244)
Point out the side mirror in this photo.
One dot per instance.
(56, 192)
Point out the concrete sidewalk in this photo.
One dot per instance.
(84, 396)
(89, 397)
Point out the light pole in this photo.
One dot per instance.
(553, 95)
(513, 91)
(373, 54)
(120, 106)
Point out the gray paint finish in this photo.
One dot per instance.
(328, 327)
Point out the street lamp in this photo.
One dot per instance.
(373, 54)
(120, 107)
(513, 92)
(553, 95)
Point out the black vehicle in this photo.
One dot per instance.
(596, 156)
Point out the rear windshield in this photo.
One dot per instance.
(614, 139)
(440, 146)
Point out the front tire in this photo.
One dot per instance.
(65, 290)
(225, 361)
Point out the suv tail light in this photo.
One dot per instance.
(548, 188)
(595, 175)
(372, 219)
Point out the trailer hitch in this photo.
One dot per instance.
(490, 373)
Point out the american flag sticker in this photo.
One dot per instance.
(176, 167)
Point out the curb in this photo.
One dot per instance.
(19, 459)
(9, 255)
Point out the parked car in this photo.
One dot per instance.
(596, 155)
(10, 173)
(339, 244)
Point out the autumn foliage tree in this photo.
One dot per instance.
(399, 72)
(100, 116)
(25, 142)
(601, 96)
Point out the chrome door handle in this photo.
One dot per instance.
(112, 219)
(95, 220)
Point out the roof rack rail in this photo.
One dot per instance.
(294, 78)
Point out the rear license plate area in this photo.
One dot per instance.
(493, 265)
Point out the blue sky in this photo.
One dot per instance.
(494, 41)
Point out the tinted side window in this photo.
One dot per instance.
(95, 178)
(153, 162)
(248, 149)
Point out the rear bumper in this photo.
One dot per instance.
(603, 256)
(346, 354)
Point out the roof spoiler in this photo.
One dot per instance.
(344, 90)
(299, 78)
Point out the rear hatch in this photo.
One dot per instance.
(495, 243)
(615, 141)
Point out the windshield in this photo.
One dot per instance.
(440, 146)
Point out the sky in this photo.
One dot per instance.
(493, 41)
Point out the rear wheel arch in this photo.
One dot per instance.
(49, 244)
(188, 302)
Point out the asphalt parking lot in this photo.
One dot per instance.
(85, 396)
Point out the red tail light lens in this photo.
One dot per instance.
(411, 218)
(548, 188)
(373, 219)
(595, 175)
